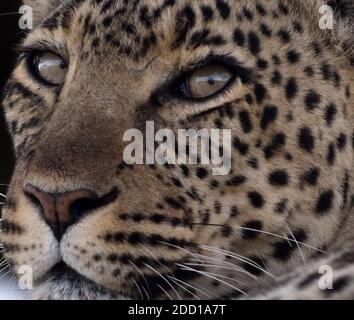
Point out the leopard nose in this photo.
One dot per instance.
(62, 210)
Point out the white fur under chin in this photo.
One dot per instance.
(67, 290)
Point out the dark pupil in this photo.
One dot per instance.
(211, 81)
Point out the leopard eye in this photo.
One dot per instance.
(49, 67)
(206, 82)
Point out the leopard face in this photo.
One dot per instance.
(92, 227)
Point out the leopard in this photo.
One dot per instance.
(278, 75)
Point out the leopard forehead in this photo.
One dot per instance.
(291, 122)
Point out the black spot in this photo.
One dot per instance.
(341, 141)
(262, 64)
(283, 8)
(312, 100)
(214, 184)
(284, 249)
(325, 202)
(270, 114)
(256, 199)
(265, 30)
(331, 154)
(253, 163)
(281, 206)
(308, 280)
(276, 78)
(217, 207)
(284, 35)
(245, 121)
(255, 266)
(239, 37)
(112, 258)
(173, 203)
(254, 44)
(260, 9)
(207, 12)
(326, 71)
(277, 142)
(236, 181)
(260, 92)
(247, 14)
(330, 114)
(240, 146)
(309, 71)
(291, 89)
(250, 230)
(185, 170)
(306, 139)
(278, 178)
(107, 21)
(293, 56)
(223, 8)
(202, 173)
(249, 99)
(311, 176)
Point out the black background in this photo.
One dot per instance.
(10, 34)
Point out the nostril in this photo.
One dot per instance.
(61, 210)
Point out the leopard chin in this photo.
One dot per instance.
(63, 283)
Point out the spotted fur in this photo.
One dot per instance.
(287, 203)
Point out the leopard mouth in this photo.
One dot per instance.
(63, 282)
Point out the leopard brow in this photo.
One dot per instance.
(41, 45)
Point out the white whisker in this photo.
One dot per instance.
(9, 13)
(159, 273)
(183, 267)
(189, 285)
(164, 291)
(267, 233)
(298, 246)
(237, 257)
(183, 287)
(232, 266)
(143, 276)
(217, 267)
(136, 284)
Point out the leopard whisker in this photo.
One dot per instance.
(144, 277)
(263, 232)
(4, 268)
(186, 268)
(155, 258)
(164, 291)
(217, 267)
(164, 278)
(238, 257)
(230, 265)
(183, 287)
(199, 257)
(191, 286)
(140, 292)
(298, 246)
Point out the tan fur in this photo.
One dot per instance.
(78, 145)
